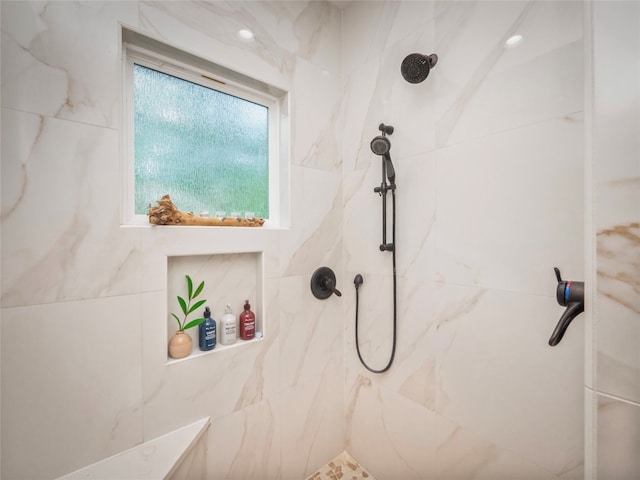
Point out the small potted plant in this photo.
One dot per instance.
(180, 343)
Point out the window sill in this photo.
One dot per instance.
(266, 226)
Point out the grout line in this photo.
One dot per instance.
(614, 397)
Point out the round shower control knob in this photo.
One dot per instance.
(323, 283)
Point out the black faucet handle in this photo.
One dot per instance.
(568, 291)
(569, 294)
(323, 283)
(330, 284)
(557, 270)
(572, 311)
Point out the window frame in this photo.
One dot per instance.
(174, 66)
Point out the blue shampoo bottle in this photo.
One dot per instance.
(207, 333)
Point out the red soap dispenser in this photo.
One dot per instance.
(247, 322)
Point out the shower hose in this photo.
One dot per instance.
(395, 303)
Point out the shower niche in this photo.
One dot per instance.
(229, 279)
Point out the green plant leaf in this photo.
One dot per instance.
(189, 286)
(193, 323)
(177, 320)
(183, 305)
(196, 306)
(198, 290)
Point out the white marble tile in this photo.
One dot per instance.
(61, 239)
(616, 103)
(618, 311)
(618, 201)
(413, 372)
(282, 31)
(311, 336)
(71, 384)
(311, 30)
(316, 136)
(366, 28)
(210, 30)
(313, 434)
(497, 375)
(446, 335)
(360, 116)
(466, 455)
(392, 437)
(246, 444)
(48, 71)
(414, 18)
(618, 439)
(416, 195)
(315, 238)
(510, 208)
(616, 198)
(158, 243)
(486, 87)
(545, 87)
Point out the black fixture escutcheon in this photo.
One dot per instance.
(323, 283)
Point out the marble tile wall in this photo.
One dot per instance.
(488, 153)
(613, 383)
(84, 300)
(485, 149)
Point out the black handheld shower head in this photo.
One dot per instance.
(381, 145)
(416, 66)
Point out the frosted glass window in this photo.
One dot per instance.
(207, 149)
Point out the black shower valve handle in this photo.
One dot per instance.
(558, 276)
(568, 291)
(569, 294)
(330, 284)
(323, 283)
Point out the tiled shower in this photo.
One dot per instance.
(509, 161)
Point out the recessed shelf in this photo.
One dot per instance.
(230, 278)
(196, 352)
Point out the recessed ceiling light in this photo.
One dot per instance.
(246, 34)
(513, 40)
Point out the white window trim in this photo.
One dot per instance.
(278, 141)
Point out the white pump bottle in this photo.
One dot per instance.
(228, 327)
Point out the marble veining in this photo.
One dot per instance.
(619, 255)
(482, 149)
(618, 275)
(452, 115)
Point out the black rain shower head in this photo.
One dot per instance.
(416, 66)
